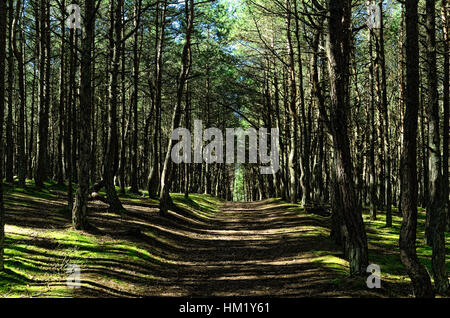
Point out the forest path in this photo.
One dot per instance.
(256, 249)
(203, 247)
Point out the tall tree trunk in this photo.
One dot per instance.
(153, 178)
(31, 139)
(9, 169)
(372, 134)
(385, 119)
(134, 159)
(292, 161)
(111, 158)
(68, 119)
(62, 99)
(74, 111)
(187, 117)
(338, 52)
(416, 270)
(445, 105)
(44, 96)
(18, 52)
(166, 175)
(425, 154)
(3, 11)
(436, 204)
(305, 150)
(79, 213)
(207, 166)
(124, 129)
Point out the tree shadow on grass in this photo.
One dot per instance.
(264, 248)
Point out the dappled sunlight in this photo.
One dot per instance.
(161, 256)
(203, 247)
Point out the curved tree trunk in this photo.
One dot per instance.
(166, 175)
(338, 52)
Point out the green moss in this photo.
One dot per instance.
(36, 261)
(384, 249)
(202, 205)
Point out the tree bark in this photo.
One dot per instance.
(3, 11)
(385, 119)
(305, 177)
(166, 175)
(134, 159)
(79, 212)
(18, 53)
(445, 106)
(338, 52)
(153, 178)
(44, 96)
(416, 270)
(111, 158)
(293, 119)
(436, 204)
(62, 99)
(9, 169)
(373, 135)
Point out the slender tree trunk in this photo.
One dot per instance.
(187, 117)
(94, 115)
(338, 52)
(445, 105)
(3, 11)
(9, 169)
(152, 183)
(79, 213)
(436, 205)
(292, 163)
(166, 175)
(124, 129)
(416, 270)
(305, 150)
(68, 134)
(62, 99)
(74, 112)
(44, 100)
(385, 119)
(111, 158)
(373, 136)
(134, 159)
(424, 148)
(31, 139)
(18, 52)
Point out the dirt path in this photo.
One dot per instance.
(253, 249)
(266, 248)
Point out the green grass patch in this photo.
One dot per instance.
(205, 206)
(36, 261)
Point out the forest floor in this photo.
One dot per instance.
(204, 247)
